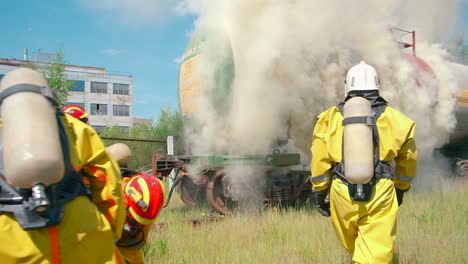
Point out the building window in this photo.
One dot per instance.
(98, 87)
(78, 86)
(120, 88)
(75, 103)
(121, 110)
(98, 109)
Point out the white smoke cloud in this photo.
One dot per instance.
(432, 19)
(291, 57)
(290, 60)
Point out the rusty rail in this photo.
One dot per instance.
(136, 139)
(195, 222)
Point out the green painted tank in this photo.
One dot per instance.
(193, 81)
(207, 68)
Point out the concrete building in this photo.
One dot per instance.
(108, 98)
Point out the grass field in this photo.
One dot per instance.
(432, 228)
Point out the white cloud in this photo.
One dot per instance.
(184, 7)
(113, 51)
(177, 60)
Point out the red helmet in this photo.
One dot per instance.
(144, 196)
(76, 111)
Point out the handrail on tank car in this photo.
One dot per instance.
(405, 45)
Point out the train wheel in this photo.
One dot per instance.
(461, 168)
(189, 192)
(216, 194)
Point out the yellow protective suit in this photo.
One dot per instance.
(133, 255)
(366, 229)
(87, 229)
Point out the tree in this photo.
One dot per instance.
(169, 124)
(55, 75)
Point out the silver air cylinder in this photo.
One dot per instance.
(32, 149)
(358, 147)
(120, 152)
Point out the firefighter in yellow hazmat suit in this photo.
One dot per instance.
(364, 215)
(84, 211)
(145, 198)
(144, 195)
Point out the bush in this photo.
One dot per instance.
(169, 124)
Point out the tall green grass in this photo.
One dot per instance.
(433, 225)
(432, 228)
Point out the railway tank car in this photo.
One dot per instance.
(283, 181)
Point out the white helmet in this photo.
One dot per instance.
(362, 77)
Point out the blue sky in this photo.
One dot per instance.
(145, 48)
(142, 40)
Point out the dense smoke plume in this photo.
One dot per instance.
(291, 58)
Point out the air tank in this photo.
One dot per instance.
(120, 152)
(358, 146)
(32, 149)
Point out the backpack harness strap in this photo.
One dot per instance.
(368, 120)
(17, 200)
(24, 87)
